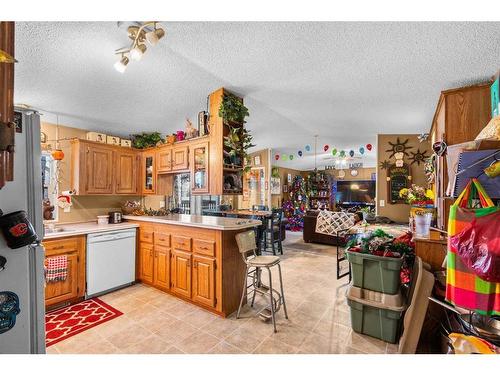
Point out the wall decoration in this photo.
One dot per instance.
(290, 157)
(9, 309)
(385, 164)
(361, 150)
(418, 157)
(284, 157)
(351, 153)
(190, 132)
(397, 178)
(276, 157)
(439, 148)
(342, 153)
(289, 178)
(256, 160)
(275, 185)
(334, 152)
(326, 147)
(398, 147)
(494, 94)
(354, 172)
(285, 188)
(341, 174)
(307, 148)
(399, 156)
(369, 147)
(300, 153)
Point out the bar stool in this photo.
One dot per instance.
(254, 264)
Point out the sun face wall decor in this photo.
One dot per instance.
(399, 147)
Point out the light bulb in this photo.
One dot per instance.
(138, 52)
(121, 65)
(154, 36)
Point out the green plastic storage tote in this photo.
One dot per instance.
(380, 274)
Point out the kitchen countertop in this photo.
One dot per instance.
(199, 221)
(75, 229)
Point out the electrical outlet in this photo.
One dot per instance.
(162, 204)
(382, 203)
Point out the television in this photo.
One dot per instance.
(355, 192)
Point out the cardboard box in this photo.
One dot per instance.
(110, 140)
(96, 137)
(126, 143)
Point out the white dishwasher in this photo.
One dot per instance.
(110, 261)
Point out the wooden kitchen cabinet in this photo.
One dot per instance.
(431, 252)
(73, 288)
(181, 273)
(161, 275)
(199, 166)
(203, 280)
(180, 158)
(148, 172)
(127, 163)
(96, 169)
(164, 160)
(146, 262)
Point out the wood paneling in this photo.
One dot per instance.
(73, 288)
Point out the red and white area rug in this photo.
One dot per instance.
(72, 320)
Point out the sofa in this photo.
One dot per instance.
(310, 235)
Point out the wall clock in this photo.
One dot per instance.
(341, 174)
(354, 172)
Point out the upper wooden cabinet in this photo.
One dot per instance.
(164, 160)
(103, 169)
(148, 172)
(180, 158)
(199, 166)
(126, 176)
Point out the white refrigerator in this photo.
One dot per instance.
(23, 273)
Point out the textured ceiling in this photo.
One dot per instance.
(344, 81)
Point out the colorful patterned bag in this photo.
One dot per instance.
(463, 287)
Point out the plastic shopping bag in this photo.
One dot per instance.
(478, 246)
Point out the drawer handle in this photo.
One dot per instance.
(60, 247)
(204, 248)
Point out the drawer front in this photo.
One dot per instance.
(204, 247)
(181, 243)
(146, 234)
(61, 245)
(162, 239)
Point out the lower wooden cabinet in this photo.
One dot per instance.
(161, 274)
(203, 280)
(146, 262)
(181, 273)
(73, 288)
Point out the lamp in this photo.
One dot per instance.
(121, 65)
(137, 52)
(154, 36)
(139, 33)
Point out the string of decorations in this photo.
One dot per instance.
(334, 152)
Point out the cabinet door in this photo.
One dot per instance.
(126, 173)
(148, 173)
(204, 280)
(147, 263)
(199, 168)
(181, 273)
(162, 267)
(99, 170)
(180, 158)
(164, 160)
(60, 291)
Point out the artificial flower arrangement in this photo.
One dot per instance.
(417, 196)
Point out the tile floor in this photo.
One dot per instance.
(154, 322)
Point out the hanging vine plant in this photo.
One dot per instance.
(239, 141)
(232, 109)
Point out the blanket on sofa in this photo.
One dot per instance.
(330, 222)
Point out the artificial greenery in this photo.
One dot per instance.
(232, 109)
(239, 141)
(145, 140)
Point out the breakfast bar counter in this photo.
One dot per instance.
(193, 257)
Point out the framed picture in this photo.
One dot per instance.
(285, 188)
(289, 178)
(275, 185)
(256, 160)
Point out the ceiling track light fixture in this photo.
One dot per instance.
(139, 34)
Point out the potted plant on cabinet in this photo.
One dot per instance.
(422, 210)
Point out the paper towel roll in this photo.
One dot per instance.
(68, 192)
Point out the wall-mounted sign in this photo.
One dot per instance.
(355, 165)
(397, 178)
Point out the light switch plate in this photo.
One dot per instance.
(382, 203)
(162, 204)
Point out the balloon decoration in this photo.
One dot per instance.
(326, 148)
